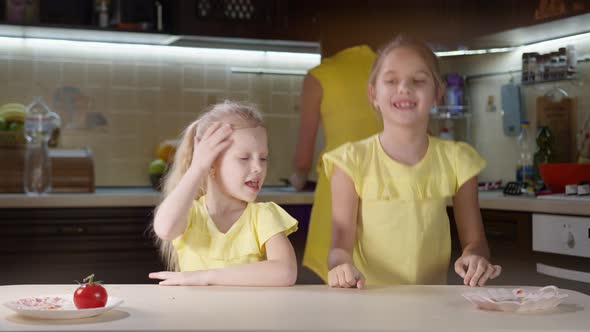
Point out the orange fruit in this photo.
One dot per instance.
(166, 150)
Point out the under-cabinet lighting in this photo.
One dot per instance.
(555, 42)
(278, 71)
(475, 52)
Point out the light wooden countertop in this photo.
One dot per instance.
(133, 197)
(543, 204)
(298, 308)
(147, 197)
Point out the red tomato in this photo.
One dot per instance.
(91, 294)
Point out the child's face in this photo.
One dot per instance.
(241, 169)
(404, 90)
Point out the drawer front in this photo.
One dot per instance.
(566, 235)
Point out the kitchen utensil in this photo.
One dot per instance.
(559, 117)
(513, 188)
(511, 106)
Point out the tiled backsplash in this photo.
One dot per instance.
(122, 100)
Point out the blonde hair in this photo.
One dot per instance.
(239, 115)
(429, 58)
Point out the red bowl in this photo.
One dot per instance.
(557, 176)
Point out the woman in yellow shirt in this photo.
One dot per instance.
(389, 191)
(334, 94)
(211, 231)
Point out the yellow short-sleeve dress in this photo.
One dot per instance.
(346, 116)
(202, 246)
(402, 233)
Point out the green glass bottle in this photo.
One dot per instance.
(544, 153)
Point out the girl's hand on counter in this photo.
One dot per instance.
(476, 270)
(346, 276)
(192, 278)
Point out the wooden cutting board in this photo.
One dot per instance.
(72, 170)
(560, 118)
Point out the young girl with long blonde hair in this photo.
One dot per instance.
(210, 229)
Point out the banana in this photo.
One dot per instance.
(13, 105)
(13, 112)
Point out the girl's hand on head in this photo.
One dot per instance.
(214, 141)
(346, 276)
(476, 270)
(193, 278)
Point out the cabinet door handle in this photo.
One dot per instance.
(71, 230)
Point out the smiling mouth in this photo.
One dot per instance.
(405, 105)
(254, 185)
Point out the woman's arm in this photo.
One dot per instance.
(473, 265)
(279, 269)
(345, 203)
(311, 99)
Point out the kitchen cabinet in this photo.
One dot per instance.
(507, 232)
(258, 19)
(510, 235)
(445, 25)
(60, 245)
(49, 245)
(123, 15)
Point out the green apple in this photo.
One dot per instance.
(157, 166)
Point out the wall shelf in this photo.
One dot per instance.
(450, 116)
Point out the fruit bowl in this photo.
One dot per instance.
(557, 175)
(12, 138)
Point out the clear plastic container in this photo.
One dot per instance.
(39, 123)
(454, 97)
(572, 61)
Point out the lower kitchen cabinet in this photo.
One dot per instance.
(507, 232)
(43, 246)
(509, 236)
(58, 246)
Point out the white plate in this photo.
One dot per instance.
(516, 299)
(57, 307)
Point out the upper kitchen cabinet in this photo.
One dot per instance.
(446, 25)
(257, 19)
(125, 15)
